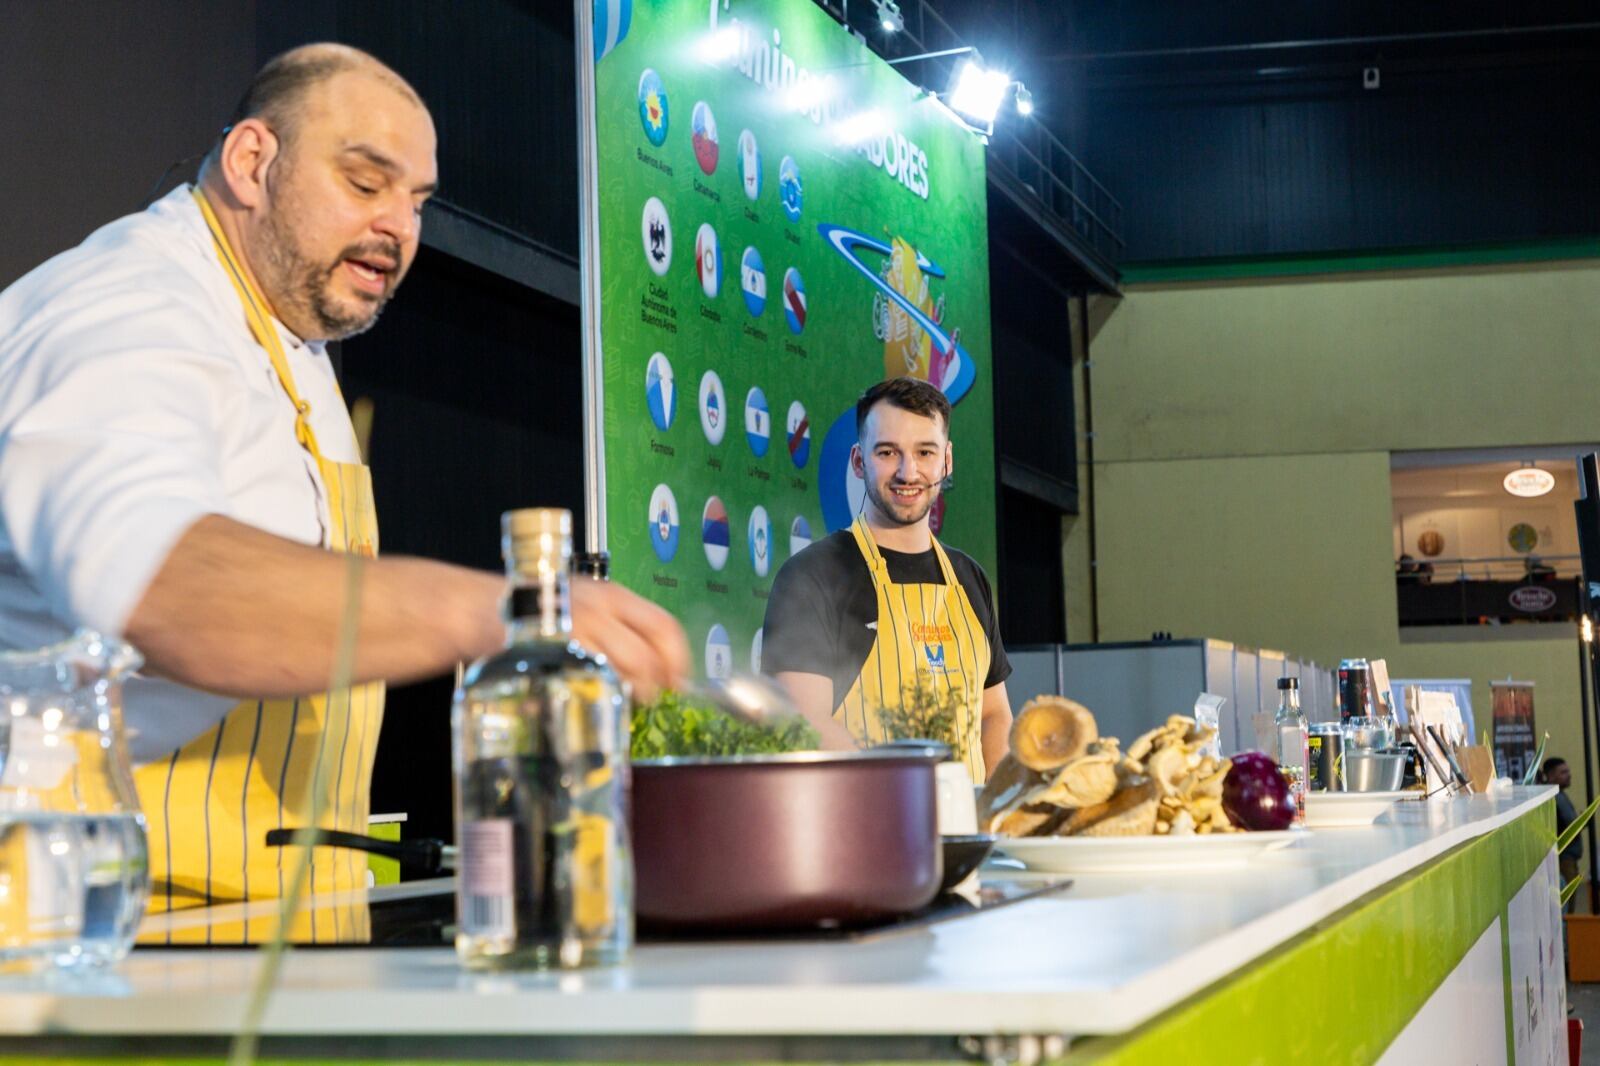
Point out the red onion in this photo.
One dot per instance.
(1255, 794)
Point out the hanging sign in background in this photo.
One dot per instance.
(1515, 742)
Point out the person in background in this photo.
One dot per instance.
(874, 615)
(1555, 771)
(178, 469)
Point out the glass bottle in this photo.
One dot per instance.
(541, 778)
(1294, 750)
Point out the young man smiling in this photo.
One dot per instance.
(177, 467)
(870, 616)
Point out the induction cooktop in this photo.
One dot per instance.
(422, 914)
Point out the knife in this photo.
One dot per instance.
(1450, 756)
(1439, 771)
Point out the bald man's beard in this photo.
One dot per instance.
(306, 284)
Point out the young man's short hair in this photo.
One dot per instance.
(908, 394)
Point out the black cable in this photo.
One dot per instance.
(155, 190)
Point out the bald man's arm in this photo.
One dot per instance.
(241, 612)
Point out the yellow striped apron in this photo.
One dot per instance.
(210, 803)
(930, 647)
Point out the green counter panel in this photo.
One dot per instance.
(1379, 959)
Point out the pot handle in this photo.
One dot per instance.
(425, 856)
(935, 749)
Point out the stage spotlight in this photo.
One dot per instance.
(977, 93)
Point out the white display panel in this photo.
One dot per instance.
(1464, 1021)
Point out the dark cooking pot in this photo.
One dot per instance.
(771, 841)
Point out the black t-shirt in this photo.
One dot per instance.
(822, 603)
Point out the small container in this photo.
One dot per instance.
(1326, 744)
(1413, 774)
(957, 800)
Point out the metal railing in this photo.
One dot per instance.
(1021, 146)
(1064, 186)
(1489, 590)
(1496, 568)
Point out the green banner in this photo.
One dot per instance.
(784, 220)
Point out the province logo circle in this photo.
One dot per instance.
(749, 165)
(660, 395)
(799, 535)
(753, 281)
(760, 536)
(757, 422)
(790, 194)
(704, 136)
(794, 300)
(713, 407)
(798, 427)
(656, 230)
(708, 261)
(663, 523)
(653, 107)
(714, 533)
(719, 653)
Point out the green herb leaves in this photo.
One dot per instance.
(673, 725)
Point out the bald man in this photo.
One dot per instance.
(178, 468)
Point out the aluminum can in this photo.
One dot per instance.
(1355, 689)
(1325, 743)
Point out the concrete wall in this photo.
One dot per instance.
(1240, 487)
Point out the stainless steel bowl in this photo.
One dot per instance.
(1373, 771)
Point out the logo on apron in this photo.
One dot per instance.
(934, 653)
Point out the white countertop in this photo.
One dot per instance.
(1103, 956)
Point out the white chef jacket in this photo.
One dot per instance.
(133, 402)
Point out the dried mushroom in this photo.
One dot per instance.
(1131, 812)
(1030, 821)
(1050, 731)
(1009, 787)
(1167, 767)
(1089, 779)
(1063, 778)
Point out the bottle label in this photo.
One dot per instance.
(487, 882)
(1300, 782)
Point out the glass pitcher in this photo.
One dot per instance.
(74, 869)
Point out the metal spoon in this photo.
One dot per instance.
(751, 698)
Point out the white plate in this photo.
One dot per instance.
(1329, 810)
(1082, 855)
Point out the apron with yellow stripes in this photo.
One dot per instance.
(210, 803)
(930, 649)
